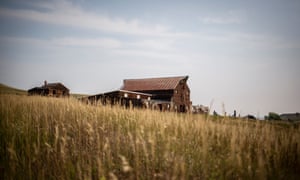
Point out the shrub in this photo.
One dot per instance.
(273, 116)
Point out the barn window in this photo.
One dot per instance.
(125, 95)
(138, 96)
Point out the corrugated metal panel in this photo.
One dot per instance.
(164, 83)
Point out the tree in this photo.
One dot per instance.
(272, 116)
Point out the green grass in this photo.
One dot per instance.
(52, 138)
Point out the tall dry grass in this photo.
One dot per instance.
(50, 138)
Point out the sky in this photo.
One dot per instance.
(239, 55)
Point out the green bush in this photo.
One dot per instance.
(273, 116)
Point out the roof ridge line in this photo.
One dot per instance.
(166, 77)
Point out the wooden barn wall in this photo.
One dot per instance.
(50, 92)
(182, 96)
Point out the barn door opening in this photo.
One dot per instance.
(182, 108)
(160, 107)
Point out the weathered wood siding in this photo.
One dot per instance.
(52, 89)
(181, 97)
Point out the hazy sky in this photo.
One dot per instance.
(243, 54)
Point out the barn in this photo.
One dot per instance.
(162, 93)
(50, 89)
(168, 93)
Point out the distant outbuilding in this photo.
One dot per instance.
(50, 89)
(290, 116)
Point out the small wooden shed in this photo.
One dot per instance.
(50, 89)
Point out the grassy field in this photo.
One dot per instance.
(52, 138)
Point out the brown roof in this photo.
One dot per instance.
(148, 84)
(50, 85)
(55, 85)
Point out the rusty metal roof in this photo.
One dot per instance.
(150, 84)
(55, 86)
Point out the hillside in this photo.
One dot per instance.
(78, 95)
(4, 89)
